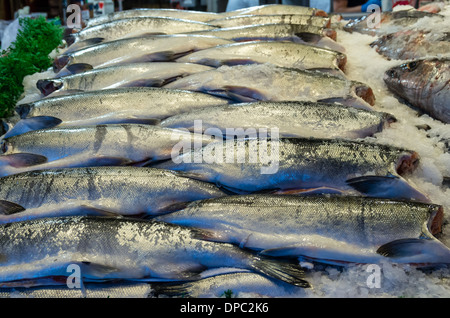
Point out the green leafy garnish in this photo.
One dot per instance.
(28, 54)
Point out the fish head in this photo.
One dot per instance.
(408, 161)
(407, 79)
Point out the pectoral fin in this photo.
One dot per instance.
(19, 160)
(8, 208)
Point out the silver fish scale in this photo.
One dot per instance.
(366, 222)
(148, 102)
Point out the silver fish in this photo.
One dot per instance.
(137, 26)
(307, 34)
(241, 20)
(122, 248)
(291, 119)
(141, 49)
(97, 190)
(284, 54)
(89, 290)
(257, 164)
(267, 82)
(276, 9)
(424, 84)
(87, 146)
(192, 15)
(329, 229)
(127, 75)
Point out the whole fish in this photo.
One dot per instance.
(424, 84)
(275, 9)
(97, 190)
(390, 21)
(136, 50)
(267, 82)
(89, 290)
(284, 54)
(192, 15)
(238, 284)
(122, 248)
(137, 26)
(291, 119)
(153, 74)
(330, 229)
(410, 45)
(109, 106)
(300, 33)
(84, 146)
(262, 164)
(241, 20)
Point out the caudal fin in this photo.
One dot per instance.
(288, 272)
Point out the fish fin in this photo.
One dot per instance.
(162, 56)
(142, 121)
(105, 161)
(280, 251)
(7, 207)
(233, 191)
(312, 191)
(242, 61)
(348, 101)
(19, 160)
(90, 210)
(288, 272)
(309, 37)
(403, 247)
(244, 94)
(151, 82)
(172, 289)
(23, 110)
(32, 124)
(95, 270)
(48, 86)
(390, 186)
(74, 69)
(60, 62)
(169, 208)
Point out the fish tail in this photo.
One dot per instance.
(172, 290)
(288, 272)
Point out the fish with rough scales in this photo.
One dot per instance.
(121, 248)
(155, 74)
(261, 164)
(290, 119)
(325, 228)
(267, 82)
(284, 54)
(110, 106)
(250, 19)
(191, 15)
(87, 146)
(161, 48)
(137, 191)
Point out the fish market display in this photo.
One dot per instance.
(140, 49)
(327, 229)
(263, 82)
(424, 84)
(299, 119)
(107, 248)
(113, 144)
(284, 54)
(97, 191)
(127, 75)
(271, 151)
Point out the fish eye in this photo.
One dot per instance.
(410, 66)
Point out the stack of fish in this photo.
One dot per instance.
(109, 171)
(420, 41)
